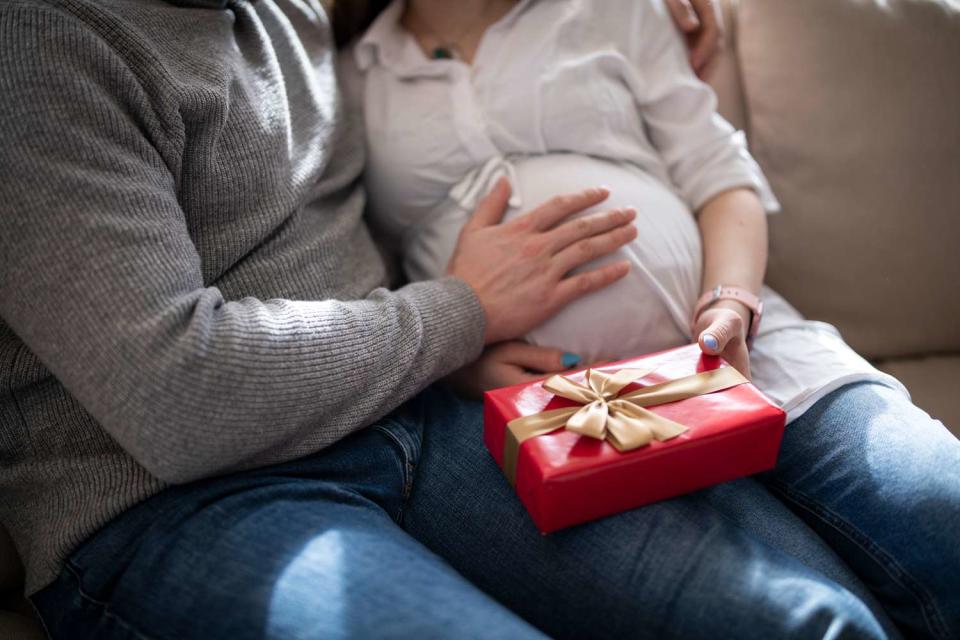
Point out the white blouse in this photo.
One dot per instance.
(564, 95)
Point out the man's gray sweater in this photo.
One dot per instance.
(187, 287)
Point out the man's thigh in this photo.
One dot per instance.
(308, 549)
(679, 568)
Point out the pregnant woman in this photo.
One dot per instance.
(502, 105)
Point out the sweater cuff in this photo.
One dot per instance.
(453, 322)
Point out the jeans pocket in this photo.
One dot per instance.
(67, 610)
(398, 436)
(405, 426)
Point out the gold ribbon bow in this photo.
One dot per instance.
(622, 420)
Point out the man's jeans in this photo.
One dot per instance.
(312, 548)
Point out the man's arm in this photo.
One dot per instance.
(100, 279)
(702, 24)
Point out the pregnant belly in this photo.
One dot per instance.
(647, 310)
(668, 242)
(650, 308)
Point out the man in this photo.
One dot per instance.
(201, 373)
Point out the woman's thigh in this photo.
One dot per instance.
(308, 549)
(681, 568)
(880, 481)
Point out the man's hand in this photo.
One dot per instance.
(721, 330)
(702, 23)
(520, 270)
(509, 363)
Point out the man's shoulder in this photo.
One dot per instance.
(106, 17)
(87, 29)
(154, 39)
(76, 70)
(141, 56)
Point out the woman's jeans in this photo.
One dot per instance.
(408, 529)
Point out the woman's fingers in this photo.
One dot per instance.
(583, 251)
(540, 359)
(718, 334)
(510, 363)
(581, 284)
(559, 208)
(491, 208)
(725, 337)
(594, 224)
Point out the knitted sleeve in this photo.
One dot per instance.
(100, 279)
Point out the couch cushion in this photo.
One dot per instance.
(852, 110)
(932, 383)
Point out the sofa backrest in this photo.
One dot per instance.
(852, 107)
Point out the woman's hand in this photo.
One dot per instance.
(520, 270)
(721, 330)
(702, 23)
(509, 363)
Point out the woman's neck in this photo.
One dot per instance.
(461, 24)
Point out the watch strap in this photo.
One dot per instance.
(739, 294)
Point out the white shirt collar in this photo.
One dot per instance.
(388, 44)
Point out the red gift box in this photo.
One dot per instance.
(565, 478)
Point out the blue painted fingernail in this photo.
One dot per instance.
(570, 360)
(710, 342)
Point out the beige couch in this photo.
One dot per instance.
(853, 109)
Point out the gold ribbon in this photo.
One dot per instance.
(622, 420)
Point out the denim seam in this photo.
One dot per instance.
(105, 606)
(406, 467)
(896, 573)
(36, 614)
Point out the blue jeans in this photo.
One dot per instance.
(408, 529)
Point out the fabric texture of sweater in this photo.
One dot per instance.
(187, 286)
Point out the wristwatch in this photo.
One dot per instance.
(744, 297)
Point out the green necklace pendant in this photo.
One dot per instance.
(442, 53)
